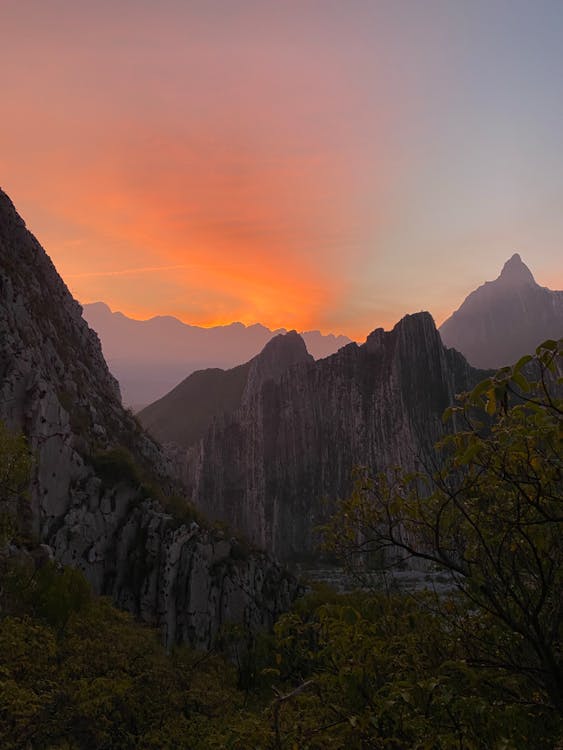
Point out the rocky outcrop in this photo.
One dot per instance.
(505, 319)
(274, 466)
(55, 387)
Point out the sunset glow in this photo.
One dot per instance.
(302, 164)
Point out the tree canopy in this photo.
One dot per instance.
(488, 510)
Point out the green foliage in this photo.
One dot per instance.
(372, 671)
(387, 672)
(58, 593)
(116, 465)
(77, 673)
(181, 510)
(355, 671)
(490, 513)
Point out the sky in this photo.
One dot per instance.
(321, 164)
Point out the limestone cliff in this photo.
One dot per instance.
(274, 466)
(56, 388)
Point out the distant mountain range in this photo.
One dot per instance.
(495, 325)
(505, 318)
(149, 357)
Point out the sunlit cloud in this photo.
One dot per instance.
(311, 165)
(125, 271)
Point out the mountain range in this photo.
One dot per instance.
(496, 324)
(149, 357)
(267, 446)
(272, 458)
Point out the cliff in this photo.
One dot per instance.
(274, 466)
(55, 387)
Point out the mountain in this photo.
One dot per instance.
(212, 392)
(273, 462)
(149, 357)
(505, 318)
(100, 485)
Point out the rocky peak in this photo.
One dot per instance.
(280, 353)
(504, 319)
(515, 272)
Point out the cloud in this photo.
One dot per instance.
(125, 271)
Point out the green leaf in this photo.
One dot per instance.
(521, 362)
(491, 406)
(469, 454)
(550, 345)
(480, 389)
(521, 382)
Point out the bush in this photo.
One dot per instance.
(116, 465)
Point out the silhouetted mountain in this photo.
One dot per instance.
(273, 463)
(91, 501)
(504, 319)
(149, 357)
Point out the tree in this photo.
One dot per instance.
(489, 513)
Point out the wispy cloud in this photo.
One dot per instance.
(126, 271)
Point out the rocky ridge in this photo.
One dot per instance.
(56, 387)
(274, 466)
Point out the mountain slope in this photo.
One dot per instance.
(504, 319)
(88, 502)
(274, 466)
(149, 357)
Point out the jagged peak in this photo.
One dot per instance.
(412, 321)
(516, 272)
(286, 346)
(280, 353)
(422, 319)
(418, 325)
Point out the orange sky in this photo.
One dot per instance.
(306, 164)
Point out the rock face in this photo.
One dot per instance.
(55, 387)
(273, 466)
(151, 356)
(505, 319)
